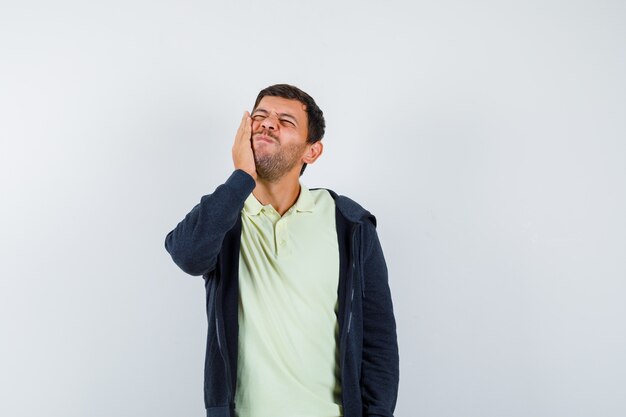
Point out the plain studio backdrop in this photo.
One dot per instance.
(488, 137)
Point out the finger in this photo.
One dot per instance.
(244, 132)
(248, 126)
(242, 127)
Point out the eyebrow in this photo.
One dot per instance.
(280, 115)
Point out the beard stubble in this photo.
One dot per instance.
(273, 166)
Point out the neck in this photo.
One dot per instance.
(281, 194)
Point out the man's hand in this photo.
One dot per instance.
(243, 158)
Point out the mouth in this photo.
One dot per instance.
(264, 138)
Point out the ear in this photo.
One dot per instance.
(313, 152)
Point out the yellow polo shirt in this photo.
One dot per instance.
(288, 277)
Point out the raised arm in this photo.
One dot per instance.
(196, 241)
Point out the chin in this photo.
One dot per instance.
(262, 150)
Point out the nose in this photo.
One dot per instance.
(269, 122)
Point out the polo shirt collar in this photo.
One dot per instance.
(304, 203)
(252, 206)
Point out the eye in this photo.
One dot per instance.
(257, 117)
(287, 122)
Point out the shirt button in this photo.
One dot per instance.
(283, 243)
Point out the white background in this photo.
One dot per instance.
(488, 137)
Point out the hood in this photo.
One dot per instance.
(352, 210)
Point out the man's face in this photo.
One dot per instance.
(279, 131)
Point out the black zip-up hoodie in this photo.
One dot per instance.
(206, 242)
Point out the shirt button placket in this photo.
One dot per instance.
(281, 237)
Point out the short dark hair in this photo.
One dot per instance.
(316, 124)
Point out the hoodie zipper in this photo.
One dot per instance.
(221, 340)
(350, 286)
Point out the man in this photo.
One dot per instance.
(300, 319)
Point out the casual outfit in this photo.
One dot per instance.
(300, 319)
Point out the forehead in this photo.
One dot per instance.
(283, 105)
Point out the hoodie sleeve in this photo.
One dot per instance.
(380, 362)
(196, 241)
